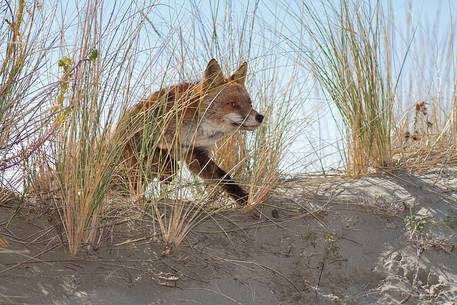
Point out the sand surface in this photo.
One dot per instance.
(376, 240)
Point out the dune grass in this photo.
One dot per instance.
(354, 53)
(25, 43)
(423, 136)
(350, 57)
(101, 74)
(78, 163)
(65, 94)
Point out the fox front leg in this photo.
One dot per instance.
(200, 164)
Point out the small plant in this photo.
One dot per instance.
(332, 246)
(418, 223)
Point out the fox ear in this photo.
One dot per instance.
(213, 74)
(240, 75)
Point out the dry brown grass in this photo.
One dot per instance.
(254, 160)
(428, 144)
(24, 43)
(69, 156)
(75, 169)
(352, 56)
(3, 242)
(230, 152)
(351, 62)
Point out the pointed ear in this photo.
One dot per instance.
(213, 74)
(240, 75)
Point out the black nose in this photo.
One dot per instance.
(259, 118)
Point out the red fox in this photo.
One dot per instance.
(197, 115)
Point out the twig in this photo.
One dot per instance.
(30, 259)
(264, 267)
(419, 251)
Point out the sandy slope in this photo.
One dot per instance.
(335, 242)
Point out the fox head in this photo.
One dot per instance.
(226, 102)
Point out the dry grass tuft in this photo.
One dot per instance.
(230, 152)
(427, 145)
(351, 62)
(25, 43)
(76, 167)
(264, 165)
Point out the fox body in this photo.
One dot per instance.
(193, 116)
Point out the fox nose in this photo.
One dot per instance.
(259, 118)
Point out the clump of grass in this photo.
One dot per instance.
(83, 161)
(78, 164)
(10, 71)
(25, 42)
(263, 167)
(102, 72)
(266, 151)
(255, 158)
(425, 136)
(350, 57)
(427, 144)
(15, 43)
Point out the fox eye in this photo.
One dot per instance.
(233, 104)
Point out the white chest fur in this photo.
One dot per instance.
(206, 134)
